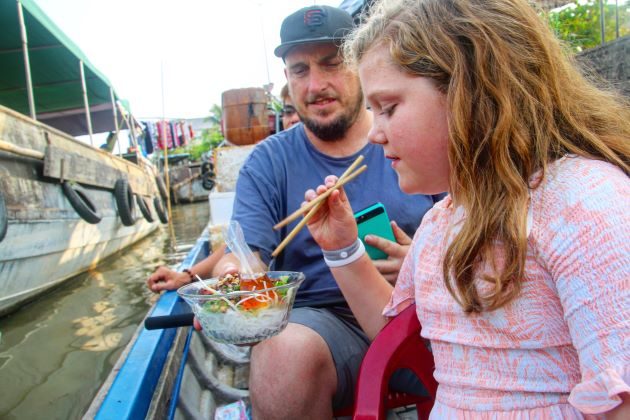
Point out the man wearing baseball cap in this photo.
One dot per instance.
(310, 368)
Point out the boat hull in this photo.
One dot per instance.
(46, 240)
(190, 192)
(187, 184)
(65, 249)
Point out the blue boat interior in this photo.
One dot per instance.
(131, 392)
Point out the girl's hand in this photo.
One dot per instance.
(396, 252)
(333, 225)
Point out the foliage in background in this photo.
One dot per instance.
(579, 24)
(213, 135)
(209, 138)
(275, 104)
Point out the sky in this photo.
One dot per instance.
(191, 50)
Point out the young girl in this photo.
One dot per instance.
(521, 275)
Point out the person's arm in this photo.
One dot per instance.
(205, 267)
(229, 263)
(333, 227)
(366, 292)
(584, 242)
(166, 279)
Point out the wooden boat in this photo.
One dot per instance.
(173, 373)
(193, 184)
(189, 181)
(64, 205)
(178, 373)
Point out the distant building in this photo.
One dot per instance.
(198, 124)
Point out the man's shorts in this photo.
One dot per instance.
(348, 344)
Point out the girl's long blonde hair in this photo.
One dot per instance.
(516, 103)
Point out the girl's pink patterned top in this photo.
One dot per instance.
(560, 349)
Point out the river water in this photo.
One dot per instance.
(57, 351)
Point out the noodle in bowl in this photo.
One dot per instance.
(243, 316)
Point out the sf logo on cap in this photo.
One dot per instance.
(314, 17)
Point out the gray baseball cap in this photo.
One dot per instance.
(313, 24)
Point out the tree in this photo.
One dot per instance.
(213, 136)
(216, 115)
(579, 24)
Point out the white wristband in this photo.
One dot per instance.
(344, 256)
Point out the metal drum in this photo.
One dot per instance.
(245, 115)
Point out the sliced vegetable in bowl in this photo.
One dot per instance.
(239, 310)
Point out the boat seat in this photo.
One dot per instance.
(397, 346)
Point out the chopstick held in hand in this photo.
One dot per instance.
(314, 205)
(342, 180)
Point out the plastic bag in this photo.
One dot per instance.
(235, 240)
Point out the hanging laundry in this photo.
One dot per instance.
(147, 137)
(153, 131)
(160, 134)
(182, 134)
(165, 135)
(173, 128)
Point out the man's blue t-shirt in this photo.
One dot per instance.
(271, 185)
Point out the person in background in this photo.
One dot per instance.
(521, 276)
(164, 278)
(289, 114)
(310, 368)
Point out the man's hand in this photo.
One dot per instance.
(396, 252)
(166, 279)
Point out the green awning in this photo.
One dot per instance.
(55, 72)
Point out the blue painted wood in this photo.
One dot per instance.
(180, 375)
(131, 392)
(130, 395)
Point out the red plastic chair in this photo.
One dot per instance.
(398, 345)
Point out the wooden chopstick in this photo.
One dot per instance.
(302, 210)
(295, 230)
(315, 205)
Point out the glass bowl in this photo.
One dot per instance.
(244, 316)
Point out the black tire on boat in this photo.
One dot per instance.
(81, 203)
(3, 218)
(159, 209)
(161, 187)
(207, 180)
(144, 208)
(124, 202)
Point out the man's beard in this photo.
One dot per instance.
(336, 129)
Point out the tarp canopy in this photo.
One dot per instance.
(55, 73)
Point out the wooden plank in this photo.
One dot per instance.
(16, 129)
(81, 162)
(69, 165)
(21, 151)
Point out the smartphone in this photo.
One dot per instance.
(373, 220)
